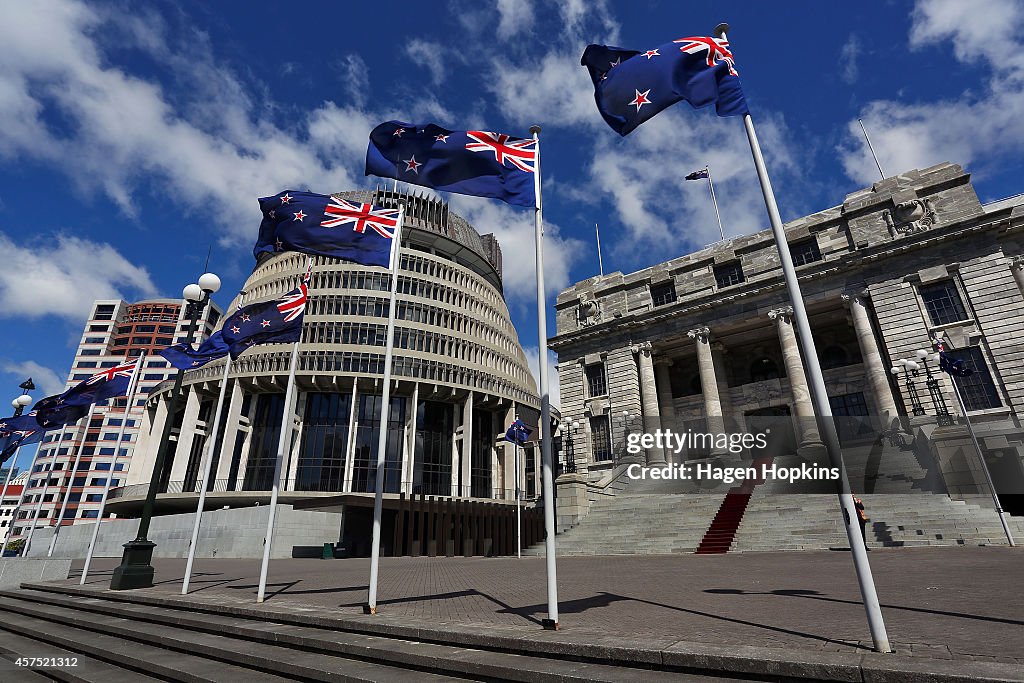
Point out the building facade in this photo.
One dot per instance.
(705, 342)
(115, 331)
(459, 377)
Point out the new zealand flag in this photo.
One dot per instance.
(184, 357)
(473, 162)
(73, 404)
(517, 433)
(631, 87)
(320, 224)
(18, 439)
(268, 322)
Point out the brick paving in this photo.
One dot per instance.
(949, 603)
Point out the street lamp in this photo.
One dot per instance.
(568, 429)
(911, 369)
(136, 568)
(21, 403)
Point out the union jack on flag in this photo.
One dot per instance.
(108, 374)
(717, 49)
(293, 304)
(517, 153)
(342, 212)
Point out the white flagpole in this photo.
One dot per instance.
(519, 509)
(600, 261)
(133, 384)
(284, 444)
(715, 201)
(206, 469)
(21, 498)
(39, 507)
(551, 623)
(984, 466)
(819, 394)
(871, 149)
(385, 410)
(3, 495)
(71, 482)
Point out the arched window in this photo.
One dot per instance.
(763, 369)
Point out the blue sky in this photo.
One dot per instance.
(136, 135)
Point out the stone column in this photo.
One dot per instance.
(668, 411)
(409, 449)
(798, 387)
(350, 442)
(1017, 268)
(466, 463)
(878, 374)
(708, 380)
(186, 434)
(227, 444)
(649, 398)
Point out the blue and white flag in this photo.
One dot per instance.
(73, 404)
(518, 433)
(184, 357)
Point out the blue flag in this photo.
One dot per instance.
(327, 226)
(268, 322)
(518, 433)
(12, 426)
(953, 366)
(19, 439)
(631, 87)
(472, 162)
(184, 357)
(73, 404)
(697, 175)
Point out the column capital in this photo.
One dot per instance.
(700, 334)
(858, 295)
(1017, 262)
(784, 313)
(643, 348)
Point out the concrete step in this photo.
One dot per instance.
(84, 670)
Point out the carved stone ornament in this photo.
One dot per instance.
(588, 312)
(909, 217)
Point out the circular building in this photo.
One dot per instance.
(459, 377)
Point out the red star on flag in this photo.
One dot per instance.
(245, 317)
(641, 99)
(285, 199)
(235, 330)
(652, 53)
(412, 165)
(398, 132)
(441, 138)
(299, 216)
(265, 323)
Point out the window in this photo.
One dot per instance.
(79, 376)
(102, 465)
(90, 352)
(145, 328)
(90, 514)
(977, 389)
(99, 328)
(602, 442)
(848, 411)
(93, 497)
(729, 274)
(943, 303)
(663, 294)
(153, 375)
(95, 340)
(805, 252)
(85, 364)
(104, 312)
(597, 381)
(164, 341)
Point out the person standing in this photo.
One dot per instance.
(863, 519)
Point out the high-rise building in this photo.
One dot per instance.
(115, 331)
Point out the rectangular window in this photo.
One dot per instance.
(95, 340)
(79, 376)
(977, 389)
(597, 380)
(99, 328)
(89, 352)
(943, 302)
(164, 341)
(153, 375)
(728, 274)
(90, 514)
(602, 441)
(805, 252)
(85, 364)
(93, 497)
(848, 411)
(145, 328)
(102, 465)
(663, 294)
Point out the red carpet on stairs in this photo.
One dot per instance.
(719, 536)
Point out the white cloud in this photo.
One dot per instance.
(46, 380)
(554, 385)
(65, 278)
(848, 55)
(980, 126)
(514, 17)
(429, 55)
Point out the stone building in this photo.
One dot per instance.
(459, 377)
(706, 342)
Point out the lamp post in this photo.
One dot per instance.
(910, 370)
(19, 404)
(569, 428)
(136, 569)
(23, 401)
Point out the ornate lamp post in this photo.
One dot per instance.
(568, 429)
(910, 369)
(136, 569)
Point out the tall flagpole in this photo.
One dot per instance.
(519, 521)
(39, 507)
(819, 395)
(551, 623)
(600, 261)
(133, 384)
(984, 466)
(21, 498)
(715, 201)
(385, 410)
(206, 469)
(871, 148)
(71, 482)
(284, 443)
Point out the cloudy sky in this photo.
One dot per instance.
(136, 135)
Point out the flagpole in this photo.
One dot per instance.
(35, 514)
(206, 468)
(3, 495)
(551, 623)
(984, 465)
(21, 498)
(133, 384)
(519, 523)
(283, 446)
(385, 410)
(819, 395)
(600, 261)
(870, 148)
(74, 470)
(715, 201)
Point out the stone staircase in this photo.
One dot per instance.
(132, 637)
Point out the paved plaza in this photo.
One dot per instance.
(950, 603)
